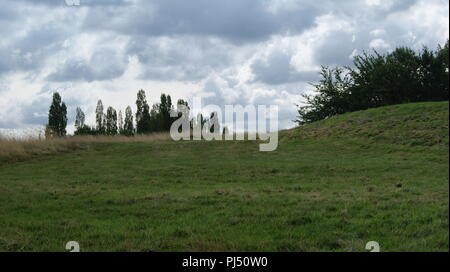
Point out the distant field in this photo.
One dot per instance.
(378, 175)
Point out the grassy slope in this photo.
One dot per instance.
(376, 175)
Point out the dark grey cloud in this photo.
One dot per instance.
(277, 69)
(190, 23)
(363, 10)
(29, 40)
(7, 13)
(83, 3)
(105, 64)
(36, 112)
(337, 49)
(182, 59)
(234, 20)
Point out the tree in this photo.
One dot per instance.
(63, 120)
(141, 101)
(111, 122)
(382, 80)
(165, 107)
(434, 75)
(120, 123)
(145, 125)
(143, 119)
(79, 120)
(376, 80)
(184, 103)
(442, 92)
(53, 114)
(332, 97)
(128, 129)
(86, 130)
(160, 114)
(100, 118)
(156, 121)
(57, 117)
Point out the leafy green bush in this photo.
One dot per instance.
(376, 80)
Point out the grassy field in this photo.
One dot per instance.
(378, 175)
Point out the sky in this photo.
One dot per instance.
(238, 52)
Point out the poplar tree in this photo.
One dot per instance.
(143, 120)
(111, 121)
(128, 129)
(57, 116)
(120, 122)
(80, 118)
(100, 118)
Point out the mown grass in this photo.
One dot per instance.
(417, 124)
(319, 191)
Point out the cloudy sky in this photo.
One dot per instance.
(228, 52)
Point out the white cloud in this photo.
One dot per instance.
(238, 51)
(379, 44)
(378, 32)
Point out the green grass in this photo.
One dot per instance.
(335, 185)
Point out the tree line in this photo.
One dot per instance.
(146, 120)
(376, 80)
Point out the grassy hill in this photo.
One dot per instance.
(418, 124)
(377, 175)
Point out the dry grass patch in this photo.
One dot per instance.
(16, 150)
